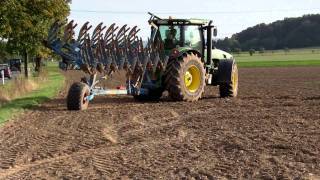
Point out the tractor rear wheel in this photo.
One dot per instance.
(230, 89)
(185, 78)
(76, 99)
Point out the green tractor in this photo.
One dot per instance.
(193, 61)
(178, 58)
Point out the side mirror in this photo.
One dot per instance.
(215, 32)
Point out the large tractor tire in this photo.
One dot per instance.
(76, 99)
(230, 89)
(185, 78)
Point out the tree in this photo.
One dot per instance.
(237, 50)
(25, 24)
(291, 32)
(228, 44)
(3, 52)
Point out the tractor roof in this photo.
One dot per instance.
(171, 21)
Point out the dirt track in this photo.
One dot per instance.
(270, 132)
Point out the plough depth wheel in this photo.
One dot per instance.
(77, 98)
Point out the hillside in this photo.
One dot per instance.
(298, 32)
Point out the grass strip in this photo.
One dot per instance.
(305, 63)
(46, 91)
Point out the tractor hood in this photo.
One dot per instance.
(219, 54)
(216, 53)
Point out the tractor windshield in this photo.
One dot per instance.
(180, 36)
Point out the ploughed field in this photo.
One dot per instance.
(271, 131)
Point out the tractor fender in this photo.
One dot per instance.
(195, 52)
(224, 71)
(187, 50)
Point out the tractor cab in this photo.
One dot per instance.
(174, 35)
(182, 34)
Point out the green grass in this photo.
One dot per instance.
(46, 91)
(300, 63)
(297, 57)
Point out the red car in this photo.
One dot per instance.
(7, 71)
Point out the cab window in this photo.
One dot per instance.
(192, 37)
(180, 36)
(171, 36)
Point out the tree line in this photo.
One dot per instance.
(24, 24)
(290, 33)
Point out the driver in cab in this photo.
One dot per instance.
(171, 41)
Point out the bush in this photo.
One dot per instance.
(262, 50)
(252, 51)
(286, 50)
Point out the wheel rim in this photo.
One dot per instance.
(192, 79)
(234, 79)
(85, 98)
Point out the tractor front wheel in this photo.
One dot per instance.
(185, 78)
(77, 96)
(230, 89)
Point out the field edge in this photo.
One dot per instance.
(45, 92)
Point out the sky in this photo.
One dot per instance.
(230, 16)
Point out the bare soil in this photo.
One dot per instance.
(271, 131)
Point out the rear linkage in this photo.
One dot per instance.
(105, 51)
